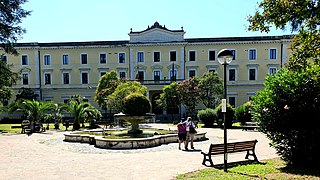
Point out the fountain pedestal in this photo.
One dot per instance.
(134, 121)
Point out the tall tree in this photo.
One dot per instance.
(106, 86)
(169, 98)
(210, 89)
(189, 94)
(11, 15)
(303, 17)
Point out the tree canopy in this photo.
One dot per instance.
(11, 15)
(301, 16)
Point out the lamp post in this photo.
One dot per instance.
(225, 57)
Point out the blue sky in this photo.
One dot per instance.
(104, 20)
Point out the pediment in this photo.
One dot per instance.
(157, 33)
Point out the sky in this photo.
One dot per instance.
(110, 20)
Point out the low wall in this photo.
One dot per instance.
(136, 143)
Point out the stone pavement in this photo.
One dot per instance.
(47, 156)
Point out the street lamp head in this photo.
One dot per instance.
(225, 56)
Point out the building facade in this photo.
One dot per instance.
(154, 56)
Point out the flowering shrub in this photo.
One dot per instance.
(288, 112)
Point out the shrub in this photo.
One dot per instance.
(229, 115)
(136, 104)
(207, 116)
(288, 112)
(243, 113)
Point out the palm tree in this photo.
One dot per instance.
(80, 110)
(35, 110)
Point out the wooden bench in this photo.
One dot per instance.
(25, 125)
(249, 126)
(233, 147)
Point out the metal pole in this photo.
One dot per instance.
(225, 120)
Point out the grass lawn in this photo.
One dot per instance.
(269, 169)
(6, 128)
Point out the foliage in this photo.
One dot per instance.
(106, 86)
(303, 16)
(287, 111)
(210, 89)
(269, 169)
(35, 110)
(11, 15)
(123, 90)
(229, 114)
(26, 93)
(189, 94)
(208, 117)
(8, 78)
(80, 110)
(136, 104)
(169, 98)
(243, 113)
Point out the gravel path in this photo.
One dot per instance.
(47, 156)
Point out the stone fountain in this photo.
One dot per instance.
(134, 120)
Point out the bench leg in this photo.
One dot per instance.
(207, 159)
(251, 154)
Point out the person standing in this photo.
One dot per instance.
(190, 128)
(182, 134)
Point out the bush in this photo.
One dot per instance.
(229, 115)
(288, 112)
(136, 104)
(243, 113)
(208, 117)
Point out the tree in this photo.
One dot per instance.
(26, 93)
(35, 110)
(189, 94)
(288, 112)
(80, 110)
(8, 78)
(123, 90)
(11, 15)
(302, 16)
(106, 86)
(210, 89)
(169, 98)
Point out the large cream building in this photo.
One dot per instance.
(55, 71)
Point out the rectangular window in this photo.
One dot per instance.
(232, 74)
(65, 59)
(140, 57)
(84, 78)
(103, 58)
(122, 75)
(234, 54)
(156, 56)
(66, 78)
(24, 59)
(122, 58)
(47, 60)
(84, 59)
(192, 55)
(252, 74)
(232, 101)
(273, 54)
(140, 75)
(102, 73)
(212, 55)
(212, 70)
(192, 73)
(252, 54)
(25, 78)
(272, 70)
(173, 56)
(4, 59)
(47, 78)
(173, 75)
(156, 75)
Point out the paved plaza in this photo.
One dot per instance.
(47, 156)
